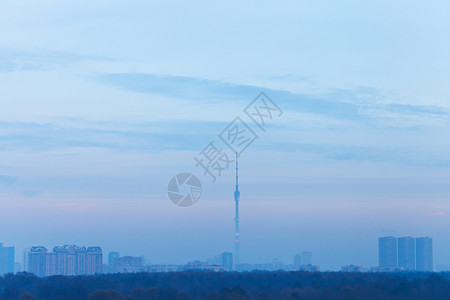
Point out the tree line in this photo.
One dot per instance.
(224, 286)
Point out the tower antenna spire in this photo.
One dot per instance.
(237, 195)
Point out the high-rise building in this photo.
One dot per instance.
(387, 251)
(68, 260)
(227, 260)
(424, 254)
(303, 259)
(50, 264)
(94, 260)
(81, 257)
(71, 260)
(407, 253)
(111, 256)
(61, 259)
(6, 260)
(37, 259)
(26, 251)
(129, 264)
(297, 258)
(306, 258)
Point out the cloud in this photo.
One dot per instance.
(18, 60)
(154, 137)
(191, 88)
(7, 180)
(360, 104)
(146, 136)
(418, 109)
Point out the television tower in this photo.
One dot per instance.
(237, 195)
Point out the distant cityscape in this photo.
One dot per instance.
(394, 254)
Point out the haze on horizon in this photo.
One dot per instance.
(102, 103)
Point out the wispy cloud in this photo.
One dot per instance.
(382, 153)
(356, 105)
(7, 180)
(158, 137)
(19, 60)
(147, 136)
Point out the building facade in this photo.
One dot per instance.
(94, 260)
(6, 260)
(128, 264)
(227, 260)
(68, 260)
(424, 254)
(111, 256)
(407, 253)
(387, 251)
(303, 259)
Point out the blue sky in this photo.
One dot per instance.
(102, 103)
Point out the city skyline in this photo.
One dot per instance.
(102, 104)
(394, 255)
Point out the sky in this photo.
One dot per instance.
(103, 102)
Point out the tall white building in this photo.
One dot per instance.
(68, 260)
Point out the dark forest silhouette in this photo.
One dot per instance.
(214, 286)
